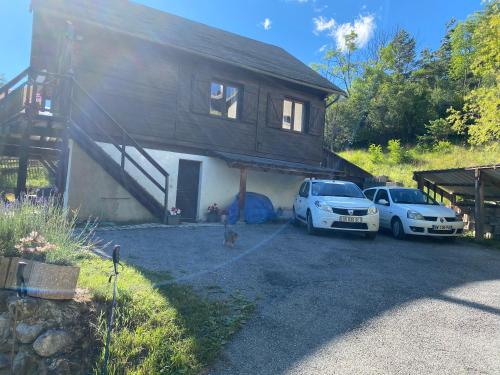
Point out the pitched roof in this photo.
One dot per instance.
(193, 37)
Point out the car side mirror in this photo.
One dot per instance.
(383, 202)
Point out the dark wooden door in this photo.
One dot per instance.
(188, 182)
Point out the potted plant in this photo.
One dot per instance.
(175, 216)
(43, 280)
(213, 213)
(224, 216)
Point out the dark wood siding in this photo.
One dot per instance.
(163, 94)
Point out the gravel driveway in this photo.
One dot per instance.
(339, 304)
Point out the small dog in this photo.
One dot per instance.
(230, 236)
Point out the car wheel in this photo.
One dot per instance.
(371, 235)
(397, 229)
(295, 219)
(310, 224)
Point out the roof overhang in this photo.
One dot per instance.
(274, 165)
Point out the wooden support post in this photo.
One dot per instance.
(243, 193)
(22, 171)
(165, 199)
(420, 183)
(479, 204)
(62, 166)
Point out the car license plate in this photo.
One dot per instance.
(351, 219)
(442, 227)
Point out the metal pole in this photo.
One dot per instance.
(116, 262)
(21, 293)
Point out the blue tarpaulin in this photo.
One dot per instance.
(258, 209)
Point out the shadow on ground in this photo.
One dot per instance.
(337, 303)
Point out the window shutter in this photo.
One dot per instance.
(250, 103)
(274, 111)
(200, 96)
(316, 120)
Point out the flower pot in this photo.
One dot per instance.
(51, 281)
(213, 217)
(11, 277)
(173, 220)
(44, 280)
(4, 270)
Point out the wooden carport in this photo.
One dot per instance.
(479, 183)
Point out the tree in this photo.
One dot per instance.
(477, 55)
(449, 94)
(399, 55)
(340, 66)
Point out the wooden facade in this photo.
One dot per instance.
(160, 95)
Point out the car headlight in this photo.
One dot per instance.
(323, 206)
(372, 210)
(414, 215)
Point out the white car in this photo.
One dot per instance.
(409, 211)
(339, 205)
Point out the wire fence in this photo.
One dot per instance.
(38, 174)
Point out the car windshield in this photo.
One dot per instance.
(331, 189)
(410, 196)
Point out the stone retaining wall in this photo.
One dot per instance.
(49, 337)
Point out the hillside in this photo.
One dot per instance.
(415, 158)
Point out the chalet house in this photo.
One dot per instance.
(136, 110)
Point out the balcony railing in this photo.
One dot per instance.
(37, 93)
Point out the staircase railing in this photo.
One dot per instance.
(102, 126)
(62, 96)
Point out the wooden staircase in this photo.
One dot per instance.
(32, 113)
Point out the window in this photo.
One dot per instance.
(382, 194)
(293, 115)
(224, 100)
(333, 189)
(301, 188)
(411, 196)
(370, 193)
(304, 190)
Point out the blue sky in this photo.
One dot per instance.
(302, 27)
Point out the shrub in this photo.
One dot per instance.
(441, 147)
(375, 153)
(46, 229)
(396, 152)
(439, 130)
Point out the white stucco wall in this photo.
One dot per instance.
(218, 183)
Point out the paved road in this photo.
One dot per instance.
(338, 304)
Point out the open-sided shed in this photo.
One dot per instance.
(479, 183)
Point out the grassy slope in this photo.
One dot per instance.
(170, 330)
(457, 156)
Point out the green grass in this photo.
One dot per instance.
(417, 159)
(167, 330)
(170, 330)
(37, 177)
